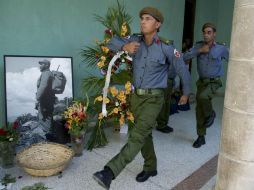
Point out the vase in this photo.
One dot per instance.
(7, 154)
(78, 143)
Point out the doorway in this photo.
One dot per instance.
(188, 29)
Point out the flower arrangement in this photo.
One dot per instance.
(117, 22)
(76, 117)
(118, 105)
(9, 132)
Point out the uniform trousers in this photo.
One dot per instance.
(162, 119)
(206, 89)
(145, 109)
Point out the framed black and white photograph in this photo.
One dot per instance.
(37, 89)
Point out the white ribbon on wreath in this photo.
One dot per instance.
(108, 76)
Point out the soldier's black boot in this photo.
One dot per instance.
(144, 175)
(209, 121)
(166, 129)
(199, 142)
(104, 177)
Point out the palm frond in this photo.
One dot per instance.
(114, 18)
(89, 55)
(121, 78)
(92, 85)
(97, 138)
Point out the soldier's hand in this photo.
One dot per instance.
(131, 47)
(204, 49)
(183, 100)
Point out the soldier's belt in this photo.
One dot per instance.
(209, 79)
(151, 91)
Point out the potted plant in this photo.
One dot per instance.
(77, 123)
(8, 138)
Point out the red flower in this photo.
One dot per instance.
(124, 106)
(128, 61)
(82, 115)
(109, 32)
(111, 55)
(75, 114)
(2, 132)
(15, 125)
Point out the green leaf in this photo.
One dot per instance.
(36, 186)
(89, 55)
(92, 85)
(8, 179)
(97, 138)
(121, 78)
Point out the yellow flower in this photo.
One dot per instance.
(113, 91)
(105, 49)
(100, 64)
(106, 40)
(115, 110)
(103, 58)
(128, 87)
(69, 124)
(100, 117)
(99, 98)
(124, 29)
(130, 116)
(121, 96)
(106, 100)
(121, 120)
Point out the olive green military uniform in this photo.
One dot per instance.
(206, 89)
(210, 69)
(150, 75)
(145, 109)
(162, 119)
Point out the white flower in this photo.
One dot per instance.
(10, 139)
(117, 103)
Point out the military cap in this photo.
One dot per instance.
(208, 24)
(45, 62)
(155, 13)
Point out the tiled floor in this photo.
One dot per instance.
(179, 165)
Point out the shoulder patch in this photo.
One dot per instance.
(177, 53)
(166, 41)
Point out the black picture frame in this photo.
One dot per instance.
(21, 74)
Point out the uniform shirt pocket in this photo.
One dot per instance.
(157, 60)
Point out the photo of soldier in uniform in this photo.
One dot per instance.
(38, 90)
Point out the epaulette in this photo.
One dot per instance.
(221, 43)
(137, 34)
(166, 41)
(200, 42)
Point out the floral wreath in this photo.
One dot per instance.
(117, 23)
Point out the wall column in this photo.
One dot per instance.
(236, 157)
